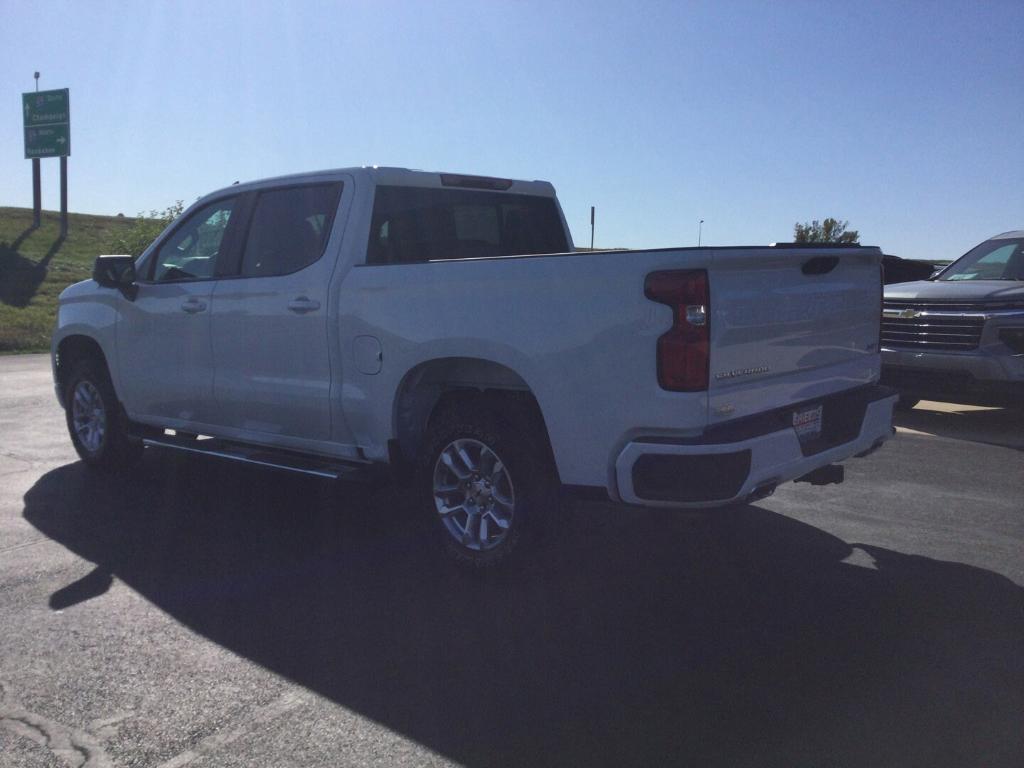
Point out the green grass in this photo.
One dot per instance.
(35, 266)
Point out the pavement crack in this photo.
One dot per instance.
(16, 457)
(211, 744)
(72, 746)
(23, 544)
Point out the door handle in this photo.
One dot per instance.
(303, 304)
(193, 305)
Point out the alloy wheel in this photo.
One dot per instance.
(473, 494)
(88, 416)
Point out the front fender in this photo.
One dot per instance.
(88, 311)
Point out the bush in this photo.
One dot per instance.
(827, 231)
(144, 230)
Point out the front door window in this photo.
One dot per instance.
(192, 250)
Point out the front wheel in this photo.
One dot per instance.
(486, 481)
(96, 421)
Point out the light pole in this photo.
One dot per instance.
(37, 184)
(700, 231)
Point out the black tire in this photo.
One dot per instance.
(906, 403)
(509, 431)
(115, 449)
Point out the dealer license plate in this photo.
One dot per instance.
(807, 423)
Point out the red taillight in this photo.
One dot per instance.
(683, 349)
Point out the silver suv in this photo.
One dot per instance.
(959, 336)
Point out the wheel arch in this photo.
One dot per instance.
(71, 350)
(439, 383)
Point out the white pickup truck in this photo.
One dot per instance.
(443, 325)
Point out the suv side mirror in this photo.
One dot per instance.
(116, 272)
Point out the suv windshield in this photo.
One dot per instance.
(999, 259)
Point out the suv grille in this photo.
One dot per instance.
(933, 325)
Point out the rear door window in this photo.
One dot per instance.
(289, 229)
(417, 224)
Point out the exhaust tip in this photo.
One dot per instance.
(762, 491)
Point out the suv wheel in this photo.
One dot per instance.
(96, 420)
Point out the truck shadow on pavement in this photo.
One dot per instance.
(630, 637)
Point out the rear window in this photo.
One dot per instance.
(413, 224)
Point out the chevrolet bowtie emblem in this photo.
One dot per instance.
(909, 314)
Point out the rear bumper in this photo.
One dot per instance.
(735, 462)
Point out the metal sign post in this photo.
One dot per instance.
(37, 193)
(63, 196)
(47, 126)
(37, 184)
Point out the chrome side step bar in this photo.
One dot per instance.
(331, 469)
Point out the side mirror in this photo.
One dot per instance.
(116, 272)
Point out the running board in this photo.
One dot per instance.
(332, 469)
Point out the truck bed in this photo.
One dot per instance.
(778, 337)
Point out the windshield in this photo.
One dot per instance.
(1001, 259)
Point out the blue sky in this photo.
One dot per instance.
(907, 119)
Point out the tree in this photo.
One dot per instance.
(827, 231)
(145, 229)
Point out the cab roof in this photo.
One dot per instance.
(403, 177)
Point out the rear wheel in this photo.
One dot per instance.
(96, 421)
(486, 479)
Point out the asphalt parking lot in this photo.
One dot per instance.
(202, 613)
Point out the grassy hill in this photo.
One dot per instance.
(36, 265)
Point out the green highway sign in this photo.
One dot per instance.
(48, 141)
(47, 121)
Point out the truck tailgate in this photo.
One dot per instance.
(790, 325)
